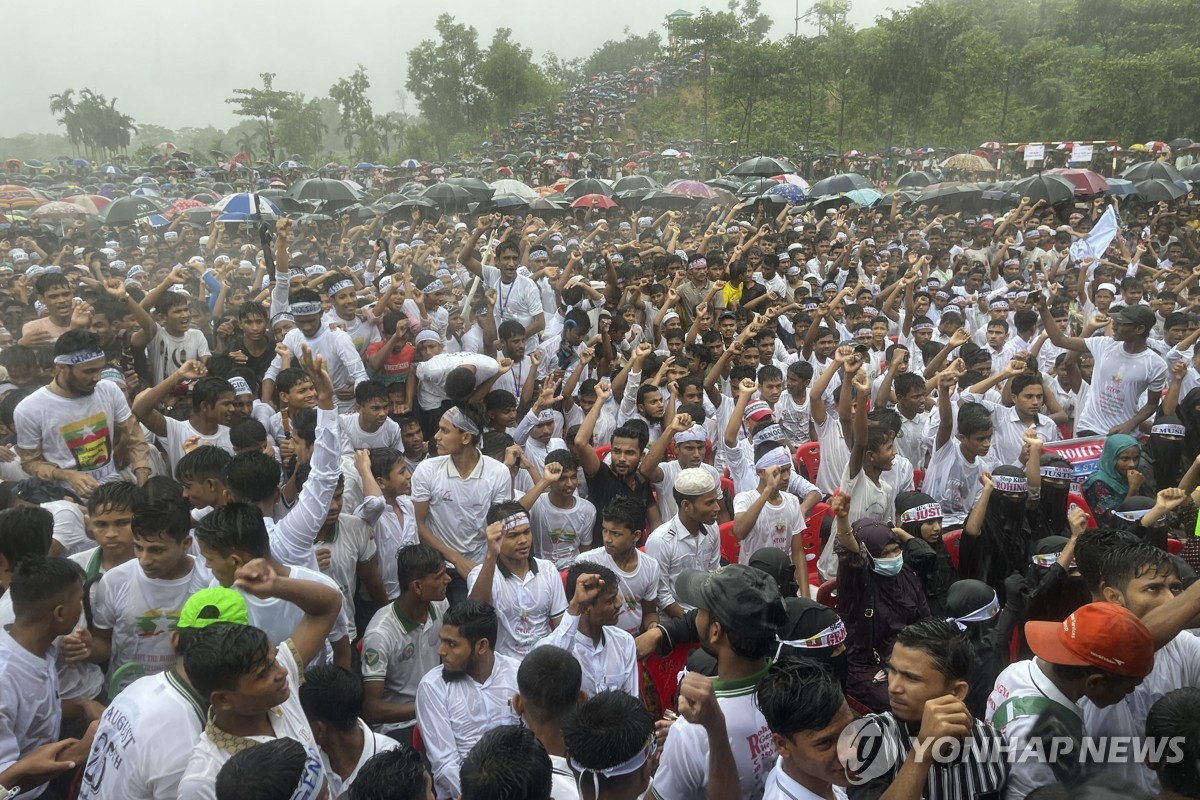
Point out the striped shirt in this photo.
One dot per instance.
(966, 777)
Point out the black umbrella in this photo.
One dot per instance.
(127, 210)
(585, 186)
(1148, 170)
(732, 184)
(509, 201)
(480, 192)
(755, 187)
(1048, 187)
(448, 197)
(948, 192)
(916, 178)
(322, 189)
(839, 184)
(761, 166)
(542, 207)
(1156, 189)
(629, 182)
(668, 200)
(768, 200)
(907, 196)
(1182, 141)
(1191, 173)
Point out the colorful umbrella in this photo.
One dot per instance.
(145, 191)
(289, 164)
(793, 179)
(789, 191)
(57, 209)
(692, 189)
(1086, 181)
(14, 196)
(594, 201)
(410, 163)
(185, 204)
(91, 203)
(240, 207)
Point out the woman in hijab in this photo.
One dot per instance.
(877, 596)
(1164, 460)
(975, 608)
(1050, 487)
(920, 533)
(1115, 478)
(996, 538)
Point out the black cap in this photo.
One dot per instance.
(1136, 315)
(737, 595)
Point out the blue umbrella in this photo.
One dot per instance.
(410, 163)
(240, 208)
(364, 165)
(158, 220)
(77, 162)
(145, 191)
(145, 180)
(290, 165)
(34, 163)
(107, 169)
(791, 191)
(864, 197)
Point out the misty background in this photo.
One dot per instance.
(174, 64)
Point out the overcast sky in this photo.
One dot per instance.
(174, 63)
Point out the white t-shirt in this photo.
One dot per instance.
(144, 741)
(608, 665)
(519, 300)
(141, 612)
(834, 454)
(355, 438)
(70, 530)
(953, 482)
(278, 618)
(345, 365)
(457, 507)
(559, 534)
(400, 652)
(1120, 381)
(74, 433)
(524, 606)
(167, 353)
(794, 419)
(373, 744)
(774, 527)
(31, 713)
(683, 771)
(361, 331)
(351, 544)
(287, 721)
(431, 391)
(641, 584)
(179, 431)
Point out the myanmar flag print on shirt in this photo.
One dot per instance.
(88, 440)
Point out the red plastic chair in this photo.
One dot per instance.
(918, 479)
(1174, 546)
(808, 459)
(728, 489)
(418, 745)
(827, 593)
(602, 451)
(731, 546)
(664, 672)
(951, 542)
(1077, 499)
(812, 535)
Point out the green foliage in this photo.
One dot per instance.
(357, 123)
(619, 56)
(94, 125)
(264, 104)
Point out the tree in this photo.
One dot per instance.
(62, 105)
(507, 73)
(620, 56)
(358, 119)
(442, 79)
(263, 104)
(300, 128)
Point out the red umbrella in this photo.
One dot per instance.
(184, 204)
(1086, 181)
(91, 203)
(594, 201)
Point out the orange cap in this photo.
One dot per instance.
(1102, 635)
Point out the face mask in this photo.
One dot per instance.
(888, 566)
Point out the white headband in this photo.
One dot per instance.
(1010, 483)
(239, 386)
(832, 636)
(337, 287)
(520, 520)
(693, 434)
(1056, 473)
(303, 309)
(1168, 429)
(979, 615)
(458, 419)
(78, 357)
(777, 457)
(921, 513)
(313, 778)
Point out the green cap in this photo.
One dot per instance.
(213, 605)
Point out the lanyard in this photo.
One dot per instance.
(502, 301)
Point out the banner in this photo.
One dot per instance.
(1081, 152)
(1084, 455)
(1035, 152)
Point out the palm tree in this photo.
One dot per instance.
(62, 105)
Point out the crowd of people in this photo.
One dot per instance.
(412, 510)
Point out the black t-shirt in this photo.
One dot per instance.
(605, 485)
(256, 364)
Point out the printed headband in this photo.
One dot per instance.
(78, 357)
(434, 286)
(832, 636)
(922, 326)
(771, 433)
(978, 615)
(1048, 560)
(282, 316)
(777, 457)
(693, 434)
(337, 287)
(312, 780)
(699, 263)
(458, 419)
(1168, 429)
(239, 386)
(305, 309)
(539, 253)
(519, 520)
(1009, 483)
(922, 513)
(1056, 473)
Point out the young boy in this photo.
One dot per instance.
(871, 454)
(176, 341)
(589, 631)
(212, 411)
(251, 687)
(401, 642)
(691, 442)
(110, 526)
(528, 593)
(623, 522)
(343, 312)
(791, 410)
(296, 391)
(136, 604)
(562, 523)
(770, 516)
(953, 475)
(48, 601)
(234, 535)
(201, 473)
(369, 426)
(388, 507)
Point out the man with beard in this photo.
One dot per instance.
(71, 430)
(468, 695)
